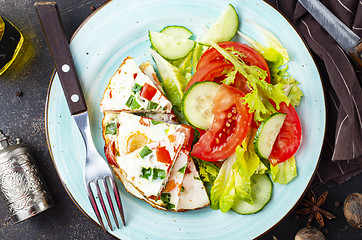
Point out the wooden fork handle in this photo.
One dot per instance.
(51, 22)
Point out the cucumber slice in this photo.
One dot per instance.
(261, 187)
(267, 133)
(171, 47)
(224, 28)
(177, 31)
(197, 104)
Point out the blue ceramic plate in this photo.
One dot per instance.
(119, 29)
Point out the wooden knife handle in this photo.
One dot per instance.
(51, 22)
(356, 54)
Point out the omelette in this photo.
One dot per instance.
(132, 90)
(147, 149)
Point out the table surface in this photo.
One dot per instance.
(23, 90)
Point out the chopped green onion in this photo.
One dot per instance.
(182, 170)
(136, 88)
(158, 174)
(135, 104)
(166, 198)
(111, 128)
(152, 105)
(146, 173)
(145, 151)
(154, 122)
(130, 101)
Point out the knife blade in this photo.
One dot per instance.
(350, 42)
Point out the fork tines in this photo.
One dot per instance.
(117, 199)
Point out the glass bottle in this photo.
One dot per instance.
(11, 41)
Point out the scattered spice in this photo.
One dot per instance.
(313, 208)
(19, 93)
(352, 209)
(92, 8)
(337, 204)
(309, 233)
(296, 217)
(324, 230)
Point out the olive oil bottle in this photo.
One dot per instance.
(11, 41)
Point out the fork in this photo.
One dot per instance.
(96, 169)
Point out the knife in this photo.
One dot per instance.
(346, 39)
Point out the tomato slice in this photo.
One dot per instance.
(163, 155)
(212, 65)
(289, 137)
(148, 91)
(214, 72)
(251, 56)
(229, 128)
(109, 151)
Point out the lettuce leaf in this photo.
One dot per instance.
(247, 161)
(217, 190)
(243, 188)
(208, 171)
(272, 41)
(228, 195)
(258, 98)
(234, 179)
(276, 55)
(228, 185)
(230, 76)
(185, 67)
(270, 54)
(284, 172)
(261, 169)
(197, 53)
(290, 84)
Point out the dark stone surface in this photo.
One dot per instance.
(23, 90)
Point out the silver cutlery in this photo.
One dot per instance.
(96, 169)
(350, 42)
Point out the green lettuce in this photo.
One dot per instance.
(230, 76)
(196, 55)
(272, 42)
(234, 178)
(247, 160)
(261, 169)
(173, 79)
(270, 54)
(208, 171)
(228, 185)
(185, 67)
(290, 87)
(228, 194)
(243, 188)
(276, 55)
(284, 172)
(258, 98)
(218, 190)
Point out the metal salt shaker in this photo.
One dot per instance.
(21, 184)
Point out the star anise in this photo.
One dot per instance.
(313, 208)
